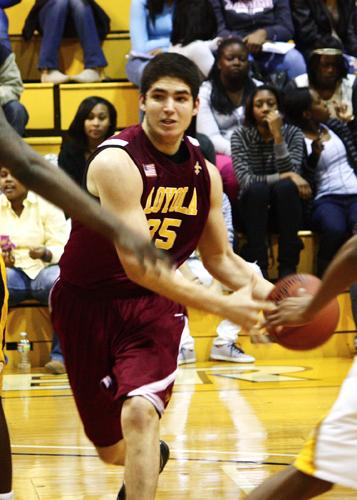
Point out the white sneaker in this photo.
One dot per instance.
(186, 356)
(53, 76)
(230, 352)
(88, 75)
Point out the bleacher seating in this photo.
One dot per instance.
(51, 109)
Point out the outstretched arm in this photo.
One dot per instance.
(53, 184)
(124, 195)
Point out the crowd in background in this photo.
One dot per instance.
(277, 105)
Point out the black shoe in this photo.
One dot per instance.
(164, 456)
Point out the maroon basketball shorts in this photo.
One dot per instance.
(114, 349)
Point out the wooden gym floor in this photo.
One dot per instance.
(228, 425)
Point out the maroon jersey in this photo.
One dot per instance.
(176, 201)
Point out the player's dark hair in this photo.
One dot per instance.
(174, 66)
(296, 102)
(250, 120)
(76, 128)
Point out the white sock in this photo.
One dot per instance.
(7, 496)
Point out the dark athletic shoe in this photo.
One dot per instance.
(164, 456)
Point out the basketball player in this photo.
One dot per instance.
(120, 329)
(329, 456)
(51, 183)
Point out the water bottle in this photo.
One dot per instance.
(23, 348)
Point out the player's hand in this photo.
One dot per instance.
(254, 41)
(9, 259)
(291, 311)
(243, 310)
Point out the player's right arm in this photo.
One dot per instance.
(53, 184)
(116, 180)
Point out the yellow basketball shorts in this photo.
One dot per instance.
(331, 451)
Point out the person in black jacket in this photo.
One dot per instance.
(54, 19)
(94, 121)
(331, 169)
(319, 23)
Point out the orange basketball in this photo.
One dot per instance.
(317, 331)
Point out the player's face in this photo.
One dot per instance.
(169, 108)
(97, 124)
(11, 187)
(263, 103)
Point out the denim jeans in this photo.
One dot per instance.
(4, 27)
(53, 17)
(22, 287)
(16, 115)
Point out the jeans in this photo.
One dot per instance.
(4, 27)
(277, 207)
(21, 287)
(292, 62)
(16, 115)
(333, 218)
(53, 17)
(134, 69)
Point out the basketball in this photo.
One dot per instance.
(319, 329)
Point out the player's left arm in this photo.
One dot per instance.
(216, 252)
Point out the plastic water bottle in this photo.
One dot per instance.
(23, 348)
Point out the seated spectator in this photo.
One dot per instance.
(331, 169)
(10, 90)
(150, 32)
(327, 74)
(38, 232)
(257, 22)
(94, 121)
(224, 346)
(322, 23)
(161, 26)
(268, 159)
(194, 32)
(54, 19)
(222, 100)
(4, 22)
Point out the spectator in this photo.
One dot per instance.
(327, 74)
(94, 121)
(222, 99)
(150, 32)
(10, 90)
(38, 232)
(322, 23)
(54, 19)
(161, 26)
(194, 32)
(268, 159)
(4, 22)
(331, 169)
(257, 22)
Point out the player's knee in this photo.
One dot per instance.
(138, 414)
(312, 486)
